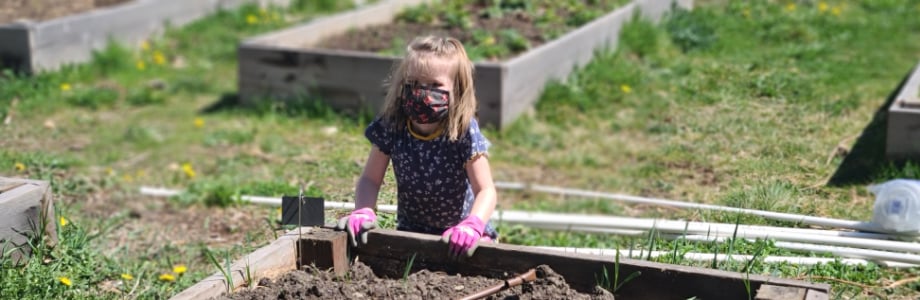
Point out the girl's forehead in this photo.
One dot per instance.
(430, 68)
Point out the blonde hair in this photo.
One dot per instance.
(419, 53)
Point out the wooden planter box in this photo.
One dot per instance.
(389, 250)
(281, 64)
(26, 209)
(904, 120)
(37, 46)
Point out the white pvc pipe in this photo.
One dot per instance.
(811, 220)
(161, 192)
(538, 219)
(549, 221)
(883, 257)
(699, 256)
(633, 225)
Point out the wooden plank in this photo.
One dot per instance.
(386, 249)
(344, 81)
(15, 51)
(325, 249)
(816, 295)
(26, 209)
(774, 292)
(71, 39)
(908, 96)
(270, 261)
(903, 128)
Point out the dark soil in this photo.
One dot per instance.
(361, 283)
(490, 33)
(40, 10)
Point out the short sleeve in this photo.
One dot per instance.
(479, 145)
(380, 135)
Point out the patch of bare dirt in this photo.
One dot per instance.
(361, 283)
(386, 37)
(40, 10)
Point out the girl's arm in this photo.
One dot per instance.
(369, 184)
(480, 175)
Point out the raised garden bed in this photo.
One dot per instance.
(26, 210)
(904, 120)
(312, 259)
(296, 61)
(33, 46)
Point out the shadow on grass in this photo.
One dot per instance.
(866, 163)
(296, 107)
(226, 102)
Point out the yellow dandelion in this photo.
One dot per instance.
(127, 178)
(145, 45)
(141, 65)
(252, 19)
(746, 13)
(836, 10)
(790, 7)
(65, 87)
(822, 6)
(626, 88)
(127, 276)
(109, 171)
(66, 281)
(140, 173)
(189, 171)
(64, 221)
(19, 167)
(159, 58)
(199, 122)
(179, 269)
(167, 277)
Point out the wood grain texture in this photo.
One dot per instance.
(26, 209)
(388, 251)
(271, 261)
(903, 128)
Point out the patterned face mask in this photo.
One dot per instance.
(425, 105)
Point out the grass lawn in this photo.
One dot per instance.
(772, 105)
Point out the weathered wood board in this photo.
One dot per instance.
(26, 209)
(903, 138)
(307, 245)
(388, 251)
(282, 65)
(37, 46)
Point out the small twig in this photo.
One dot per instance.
(841, 147)
(902, 282)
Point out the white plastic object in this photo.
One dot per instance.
(897, 205)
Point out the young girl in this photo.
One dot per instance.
(428, 130)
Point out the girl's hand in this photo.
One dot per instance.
(359, 222)
(464, 237)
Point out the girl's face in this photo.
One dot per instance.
(437, 73)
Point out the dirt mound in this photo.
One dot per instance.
(361, 283)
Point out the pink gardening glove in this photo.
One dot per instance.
(463, 237)
(359, 222)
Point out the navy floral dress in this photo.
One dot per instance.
(433, 190)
